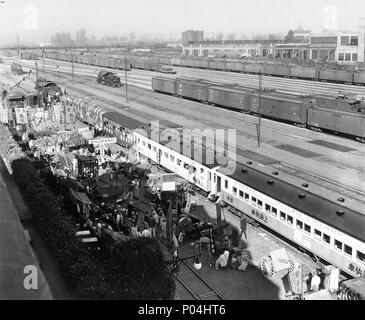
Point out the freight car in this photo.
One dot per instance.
(164, 85)
(29, 56)
(195, 89)
(336, 76)
(275, 105)
(281, 107)
(337, 121)
(341, 102)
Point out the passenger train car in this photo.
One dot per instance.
(322, 226)
(336, 115)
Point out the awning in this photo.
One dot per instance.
(80, 196)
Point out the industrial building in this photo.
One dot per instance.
(263, 48)
(192, 35)
(329, 46)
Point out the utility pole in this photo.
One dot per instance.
(126, 80)
(43, 61)
(72, 67)
(17, 45)
(259, 124)
(64, 111)
(36, 81)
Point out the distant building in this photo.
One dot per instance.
(192, 35)
(259, 48)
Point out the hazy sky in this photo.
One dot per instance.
(40, 18)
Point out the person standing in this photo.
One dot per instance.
(163, 226)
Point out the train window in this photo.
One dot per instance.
(172, 158)
(253, 201)
(282, 216)
(154, 149)
(144, 143)
(166, 155)
(247, 197)
(290, 219)
(326, 238)
(194, 169)
(338, 244)
(241, 194)
(201, 170)
(317, 233)
(149, 146)
(274, 211)
(259, 204)
(347, 249)
(307, 228)
(234, 190)
(226, 184)
(360, 256)
(186, 166)
(299, 224)
(178, 161)
(139, 141)
(267, 207)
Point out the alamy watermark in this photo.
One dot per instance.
(30, 281)
(207, 146)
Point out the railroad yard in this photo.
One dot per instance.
(282, 208)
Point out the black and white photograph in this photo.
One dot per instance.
(182, 154)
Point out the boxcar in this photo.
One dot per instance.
(253, 68)
(304, 73)
(336, 103)
(195, 63)
(239, 98)
(277, 70)
(218, 95)
(336, 76)
(217, 65)
(359, 77)
(348, 123)
(164, 84)
(139, 64)
(235, 66)
(281, 107)
(176, 61)
(193, 89)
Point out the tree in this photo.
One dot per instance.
(289, 37)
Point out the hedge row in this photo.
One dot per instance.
(134, 269)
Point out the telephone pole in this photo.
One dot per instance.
(43, 61)
(36, 81)
(72, 67)
(259, 124)
(126, 80)
(17, 45)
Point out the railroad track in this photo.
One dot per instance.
(194, 283)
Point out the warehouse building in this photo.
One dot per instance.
(192, 35)
(261, 48)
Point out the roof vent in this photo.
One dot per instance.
(341, 199)
(270, 182)
(275, 173)
(305, 185)
(249, 162)
(340, 213)
(244, 170)
(301, 195)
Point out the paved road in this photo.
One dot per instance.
(15, 251)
